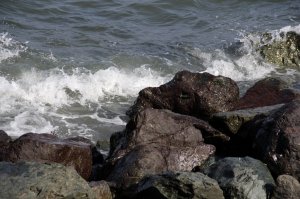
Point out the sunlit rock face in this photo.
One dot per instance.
(283, 51)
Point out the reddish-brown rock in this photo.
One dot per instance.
(196, 94)
(49, 148)
(267, 92)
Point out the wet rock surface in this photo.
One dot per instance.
(161, 154)
(284, 52)
(277, 140)
(179, 185)
(267, 92)
(241, 177)
(49, 148)
(231, 122)
(38, 180)
(196, 94)
(287, 187)
(157, 141)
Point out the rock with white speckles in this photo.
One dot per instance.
(156, 141)
(196, 94)
(277, 140)
(179, 185)
(242, 178)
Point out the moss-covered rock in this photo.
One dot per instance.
(282, 52)
(29, 180)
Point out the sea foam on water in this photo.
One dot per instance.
(9, 48)
(37, 95)
(56, 100)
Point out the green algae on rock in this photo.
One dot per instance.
(284, 52)
(39, 180)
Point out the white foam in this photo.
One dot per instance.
(9, 48)
(28, 121)
(250, 65)
(295, 29)
(246, 67)
(28, 102)
(256, 39)
(90, 87)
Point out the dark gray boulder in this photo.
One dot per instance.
(179, 185)
(31, 180)
(153, 159)
(196, 94)
(277, 140)
(231, 122)
(4, 138)
(241, 178)
(156, 141)
(287, 187)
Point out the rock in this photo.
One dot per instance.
(4, 138)
(49, 148)
(101, 189)
(196, 94)
(4, 143)
(97, 158)
(287, 187)
(38, 180)
(159, 140)
(242, 178)
(283, 52)
(267, 92)
(96, 155)
(277, 140)
(231, 122)
(179, 185)
(238, 126)
(153, 159)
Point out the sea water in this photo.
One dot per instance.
(74, 67)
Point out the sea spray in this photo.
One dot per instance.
(36, 101)
(9, 47)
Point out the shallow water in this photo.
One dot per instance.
(74, 67)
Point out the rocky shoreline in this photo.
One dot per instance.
(193, 137)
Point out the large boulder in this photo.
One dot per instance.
(101, 189)
(50, 148)
(4, 138)
(242, 178)
(159, 140)
(287, 187)
(283, 51)
(277, 140)
(38, 180)
(196, 94)
(151, 159)
(179, 185)
(232, 121)
(238, 126)
(267, 92)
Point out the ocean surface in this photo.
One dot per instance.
(74, 67)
